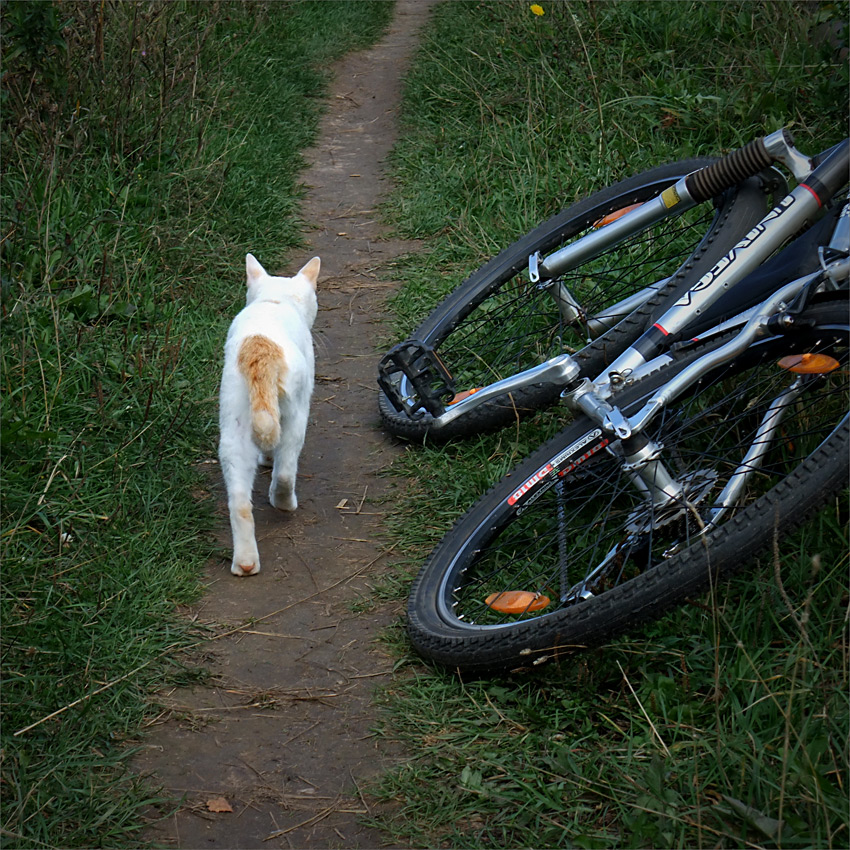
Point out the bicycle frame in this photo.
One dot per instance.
(791, 215)
(642, 458)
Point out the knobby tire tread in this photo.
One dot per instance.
(741, 210)
(725, 551)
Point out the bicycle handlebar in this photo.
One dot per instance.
(734, 168)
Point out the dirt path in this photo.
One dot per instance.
(282, 731)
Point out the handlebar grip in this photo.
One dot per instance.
(734, 168)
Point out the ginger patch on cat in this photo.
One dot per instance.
(263, 366)
(259, 356)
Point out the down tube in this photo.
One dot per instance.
(779, 225)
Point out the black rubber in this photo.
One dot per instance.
(729, 171)
(802, 470)
(734, 214)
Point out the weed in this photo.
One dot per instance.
(146, 148)
(725, 723)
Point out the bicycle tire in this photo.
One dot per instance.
(498, 546)
(704, 235)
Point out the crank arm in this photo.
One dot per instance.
(558, 372)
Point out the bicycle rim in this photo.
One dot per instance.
(562, 538)
(520, 324)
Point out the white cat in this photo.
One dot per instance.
(265, 396)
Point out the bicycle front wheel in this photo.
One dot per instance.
(497, 323)
(565, 552)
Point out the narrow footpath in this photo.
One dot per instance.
(281, 734)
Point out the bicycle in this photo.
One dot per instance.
(615, 260)
(701, 442)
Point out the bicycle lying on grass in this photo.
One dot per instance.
(606, 275)
(721, 426)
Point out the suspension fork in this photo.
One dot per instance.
(642, 456)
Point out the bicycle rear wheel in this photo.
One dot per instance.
(497, 323)
(565, 552)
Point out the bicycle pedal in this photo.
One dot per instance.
(433, 386)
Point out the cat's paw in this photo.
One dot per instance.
(283, 500)
(243, 570)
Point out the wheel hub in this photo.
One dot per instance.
(648, 517)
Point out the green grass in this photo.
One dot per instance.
(146, 148)
(510, 117)
(725, 723)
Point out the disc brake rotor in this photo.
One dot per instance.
(696, 486)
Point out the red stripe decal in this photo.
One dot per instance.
(656, 325)
(814, 194)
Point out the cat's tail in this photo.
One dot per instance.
(262, 363)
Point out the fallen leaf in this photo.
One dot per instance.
(219, 804)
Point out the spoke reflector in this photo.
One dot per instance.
(613, 216)
(517, 601)
(809, 364)
(465, 394)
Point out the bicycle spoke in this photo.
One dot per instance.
(594, 530)
(521, 326)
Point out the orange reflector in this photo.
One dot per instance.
(463, 395)
(809, 364)
(614, 216)
(516, 601)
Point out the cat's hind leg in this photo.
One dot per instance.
(282, 490)
(238, 457)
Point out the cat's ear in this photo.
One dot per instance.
(311, 271)
(253, 268)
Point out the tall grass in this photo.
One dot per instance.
(510, 117)
(725, 723)
(145, 148)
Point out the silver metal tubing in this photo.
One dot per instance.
(780, 224)
(609, 316)
(651, 477)
(639, 368)
(735, 322)
(672, 201)
(755, 455)
(559, 371)
(568, 307)
(584, 399)
(662, 488)
(605, 386)
(838, 271)
(781, 147)
(626, 365)
(841, 234)
(690, 374)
